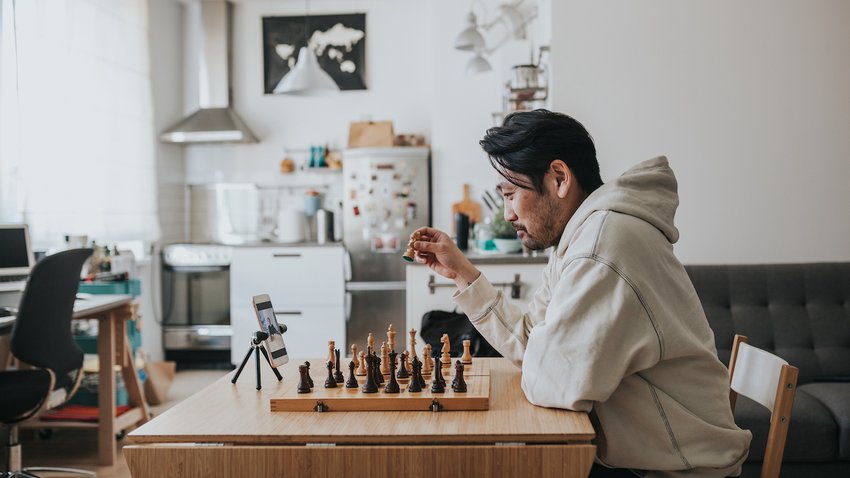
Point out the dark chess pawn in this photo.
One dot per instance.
(303, 384)
(330, 382)
(309, 379)
(459, 385)
(402, 371)
(352, 380)
(416, 380)
(392, 384)
(418, 375)
(370, 386)
(338, 375)
(438, 385)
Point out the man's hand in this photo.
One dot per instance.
(436, 250)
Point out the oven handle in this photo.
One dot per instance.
(191, 269)
(282, 255)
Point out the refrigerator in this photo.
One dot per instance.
(386, 196)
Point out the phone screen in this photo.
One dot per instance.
(269, 321)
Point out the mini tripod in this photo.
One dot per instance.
(257, 347)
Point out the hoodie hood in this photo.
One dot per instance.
(647, 191)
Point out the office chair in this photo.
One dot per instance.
(770, 381)
(41, 337)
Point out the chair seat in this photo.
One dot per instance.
(836, 398)
(21, 392)
(811, 435)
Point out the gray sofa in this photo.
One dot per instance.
(800, 312)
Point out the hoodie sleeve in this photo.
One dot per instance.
(502, 323)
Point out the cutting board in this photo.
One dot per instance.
(467, 206)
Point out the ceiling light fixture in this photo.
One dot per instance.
(509, 24)
(307, 78)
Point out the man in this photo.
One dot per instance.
(616, 328)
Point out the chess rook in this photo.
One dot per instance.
(385, 365)
(467, 356)
(459, 385)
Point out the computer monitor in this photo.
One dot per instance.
(16, 257)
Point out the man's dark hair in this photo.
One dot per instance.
(528, 142)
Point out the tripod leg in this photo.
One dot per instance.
(266, 355)
(244, 361)
(257, 363)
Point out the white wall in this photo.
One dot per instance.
(749, 100)
(398, 59)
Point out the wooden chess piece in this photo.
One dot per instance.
(330, 382)
(352, 380)
(385, 365)
(446, 358)
(379, 377)
(370, 386)
(416, 380)
(338, 374)
(427, 361)
(438, 385)
(407, 363)
(412, 344)
(402, 369)
(331, 355)
(371, 343)
(303, 384)
(361, 369)
(467, 356)
(309, 379)
(391, 337)
(459, 385)
(410, 253)
(354, 355)
(392, 383)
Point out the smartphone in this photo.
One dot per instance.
(268, 324)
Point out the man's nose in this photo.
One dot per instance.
(510, 215)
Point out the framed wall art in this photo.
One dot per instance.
(339, 42)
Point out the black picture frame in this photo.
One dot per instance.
(339, 41)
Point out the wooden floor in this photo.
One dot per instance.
(78, 448)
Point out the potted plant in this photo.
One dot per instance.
(504, 234)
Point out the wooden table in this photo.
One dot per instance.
(112, 313)
(226, 429)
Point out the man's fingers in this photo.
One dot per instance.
(427, 246)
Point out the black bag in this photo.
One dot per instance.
(438, 322)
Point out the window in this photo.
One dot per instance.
(77, 145)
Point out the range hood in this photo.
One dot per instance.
(215, 121)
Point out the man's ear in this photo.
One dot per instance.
(563, 177)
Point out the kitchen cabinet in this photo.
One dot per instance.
(306, 285)
(427, 290)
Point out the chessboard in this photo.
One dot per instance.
(388, 382)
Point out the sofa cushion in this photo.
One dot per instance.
(800, 312)
(836, 398)
(812, 436)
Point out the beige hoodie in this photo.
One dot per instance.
(616, 329)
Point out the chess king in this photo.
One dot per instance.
(616, 328)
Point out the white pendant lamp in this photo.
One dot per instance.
(470, 38)
(307, 78)
(478, 64)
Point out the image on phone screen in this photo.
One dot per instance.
(267, 318)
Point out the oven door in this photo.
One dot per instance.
(196, 308)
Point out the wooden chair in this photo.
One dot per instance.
(770, 381)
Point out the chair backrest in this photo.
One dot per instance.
(770, 381)
(42, 332)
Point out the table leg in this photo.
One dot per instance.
(131, 381)
(106, 390)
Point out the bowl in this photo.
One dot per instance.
(507, 246)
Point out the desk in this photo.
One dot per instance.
(229, 430)
(112, 313)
